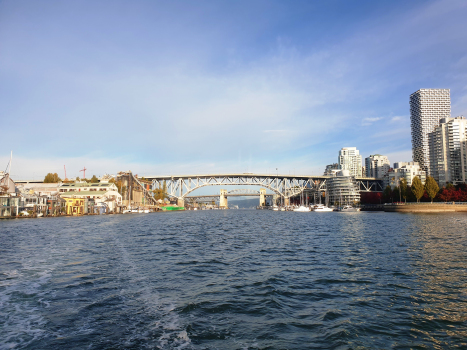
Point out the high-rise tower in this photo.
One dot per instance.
(351, 160)
(427, 107)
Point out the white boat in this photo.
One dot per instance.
(275, 208)
(302, 209)
(321, 208)
(283, 209)
(349, 208)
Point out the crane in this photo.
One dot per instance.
(84, 172)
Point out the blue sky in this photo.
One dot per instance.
(185, 87)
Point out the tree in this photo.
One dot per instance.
(387, 194)
(52, 178)
(396, 195)
(431, 187)
(417, 188)
(94, 179)
(403, 188)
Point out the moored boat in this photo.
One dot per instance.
(321, 208)
(349, 208)
(302, 209)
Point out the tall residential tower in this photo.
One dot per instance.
(351, 160)
(427, 107)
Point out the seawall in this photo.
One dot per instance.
(426, 207)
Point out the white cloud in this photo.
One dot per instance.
(369, 121)
(397, 118)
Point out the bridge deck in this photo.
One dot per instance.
(289, 176)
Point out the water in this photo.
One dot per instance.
(237, 279)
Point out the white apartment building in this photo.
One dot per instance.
(448, 163)
(407, 170)
(377, 165)
(351, 160)
(427, 108)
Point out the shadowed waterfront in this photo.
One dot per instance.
(235, 279)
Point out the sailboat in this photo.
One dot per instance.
(321, 207)
(302, 208)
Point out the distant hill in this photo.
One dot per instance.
(244, 203)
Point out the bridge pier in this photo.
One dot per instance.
(223, 199)
(286, 201)
(262, 197)
(180, 202)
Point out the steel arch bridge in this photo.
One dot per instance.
(285, 186)
(233, 193)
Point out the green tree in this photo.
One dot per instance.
(403, 188)
(396, 195)
(94, 179)
(161, 193)
(431, 187)
(52, 178)
(417, 188)
(387, 193)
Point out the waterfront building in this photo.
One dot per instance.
(40, 189)
(351, 160)
(407, 170)
(342, 189)
(76, 206)
(99, 192)
(427, 108)
(377, 166)
(329, 169)
(448, 163)
(7, 185)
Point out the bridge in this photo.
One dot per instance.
(222, 197)
(286, 186)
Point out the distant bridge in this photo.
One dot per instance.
(286, 186)
(242, 192)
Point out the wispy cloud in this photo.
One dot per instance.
(397, 118)
(369, 121)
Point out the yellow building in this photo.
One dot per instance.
(74, 206)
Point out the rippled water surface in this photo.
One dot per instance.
(236, 279)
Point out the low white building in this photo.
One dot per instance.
(407, 170)
(342, 188)
(99, 192)
(40, 189)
